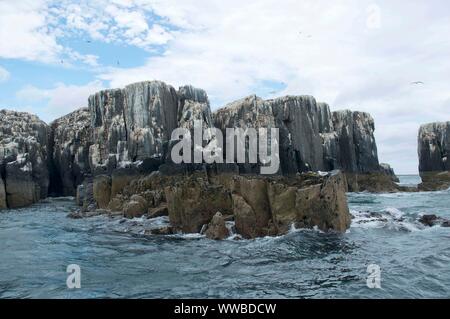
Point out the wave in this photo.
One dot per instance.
(389, 218)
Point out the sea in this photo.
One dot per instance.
(386, 253)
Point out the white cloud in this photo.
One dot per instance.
(59, 100)
(23, 32)
(332, 50)
(4, 75)
(329, 50)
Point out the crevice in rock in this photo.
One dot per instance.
(55, 187)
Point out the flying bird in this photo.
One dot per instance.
(417, 82)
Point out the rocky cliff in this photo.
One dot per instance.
(24, 142)
(115, 157)
(71, 137)
(434, 152)
(312, 138)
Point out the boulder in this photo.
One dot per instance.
(251, 206)
(319, 203)
(102, 190)
(136, 207)
(217, 229)
(433, 220)
(192, 203)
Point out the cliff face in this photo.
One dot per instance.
(24, 141)
(434, 152)
(131, 124)
(72, 138)
(311, 137)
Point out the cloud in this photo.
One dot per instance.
(59, 100)
(357, 54)
(4, 75)
(30, 30)
(334, 51)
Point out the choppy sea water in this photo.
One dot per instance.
(116, 260)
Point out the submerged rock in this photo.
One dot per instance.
(433, 220)
(24, 141)
(434, 152)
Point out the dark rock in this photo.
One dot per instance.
(72, 138)
(433, 220)
(434, 151)
(389, 171)
(164, 231)
(217, 229)
(159, 211)
(2, 195)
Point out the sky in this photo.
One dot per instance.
(353, 54)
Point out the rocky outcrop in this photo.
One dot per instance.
(311, 137)
(389, 171)
(434, 153)
(24, 141)
(217, 228)
(131, 124)
(433, 220)
(72, 138)
(258, 205)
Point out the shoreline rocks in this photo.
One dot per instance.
(259, 206)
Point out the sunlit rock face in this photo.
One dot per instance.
(24, 141)
(434, 152)
(131, 124)
(72, 138)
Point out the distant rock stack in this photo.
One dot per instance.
(434, 156)
(24, 141)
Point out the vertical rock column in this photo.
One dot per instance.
(24, 141)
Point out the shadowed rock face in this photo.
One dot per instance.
(72, 138)
(311, 137)
(24, 141)
(434, 153)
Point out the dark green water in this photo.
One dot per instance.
(37, 244)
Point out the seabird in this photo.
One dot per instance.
(417, 82)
